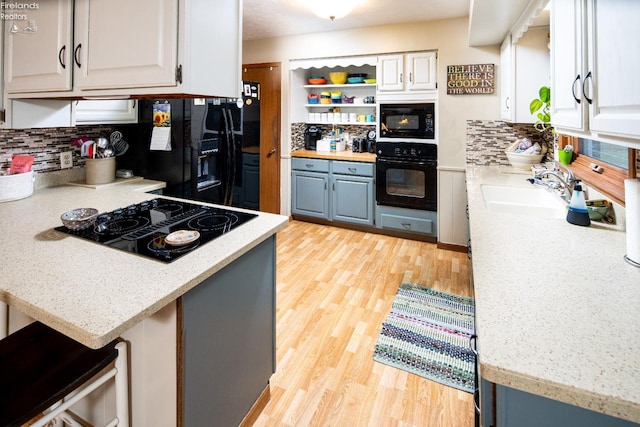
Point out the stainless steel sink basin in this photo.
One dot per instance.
(535, 201)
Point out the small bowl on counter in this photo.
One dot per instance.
(598, 209)
(523, 161)
(79, 219)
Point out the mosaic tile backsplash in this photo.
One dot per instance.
(297, 133)
(45, 144)
(487, 140)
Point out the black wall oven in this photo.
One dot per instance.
(406, 175)
(407, 121)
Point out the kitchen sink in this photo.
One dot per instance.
(536, 201)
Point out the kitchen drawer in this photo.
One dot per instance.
(352, 168)
(405, 223)
(306, 164)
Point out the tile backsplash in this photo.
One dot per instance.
(297, 133)
(488, 139)
(45, 144)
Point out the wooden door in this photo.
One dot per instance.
(269, 77)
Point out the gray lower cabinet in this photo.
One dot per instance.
(518, 408)
(333, 190)
(227, 331)
(353, 192)
(310, 187)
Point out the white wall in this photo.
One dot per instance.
(448, 37)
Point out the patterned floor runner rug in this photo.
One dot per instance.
(427, 333)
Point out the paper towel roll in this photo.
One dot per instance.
(632, 209)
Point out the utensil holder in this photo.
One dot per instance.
(100, 171)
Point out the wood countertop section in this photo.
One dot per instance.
(556, 304)
(347, 155)
(91, 292)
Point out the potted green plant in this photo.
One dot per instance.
(541, 108)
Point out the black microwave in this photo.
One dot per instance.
(409, 121)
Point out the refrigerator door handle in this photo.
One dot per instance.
(231, 160)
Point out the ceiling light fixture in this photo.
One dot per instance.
(332, 9)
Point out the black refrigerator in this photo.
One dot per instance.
(213, 153)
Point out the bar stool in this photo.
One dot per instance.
(45, 372)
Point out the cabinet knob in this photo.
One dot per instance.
(353, 170)
(272, 151)
(309, 165)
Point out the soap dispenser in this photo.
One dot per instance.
(578, 213)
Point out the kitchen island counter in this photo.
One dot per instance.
(91, 292)
(556, 304)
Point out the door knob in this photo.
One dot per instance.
(272, 151)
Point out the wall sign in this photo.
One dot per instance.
(474, 79)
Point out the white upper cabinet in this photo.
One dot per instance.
(38, 51)
(120, 48)
(506, 78)
(407, 72)
(105, 111)
(122, 43)
(524, 69)
(595, 90)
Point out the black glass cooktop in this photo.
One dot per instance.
(161, 229)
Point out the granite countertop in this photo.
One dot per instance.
(91, 292)
(347, 155)
(556, 304)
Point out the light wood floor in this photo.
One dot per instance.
(335, 288)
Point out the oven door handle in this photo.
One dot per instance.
(385, 161)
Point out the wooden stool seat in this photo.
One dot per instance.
(40, 366)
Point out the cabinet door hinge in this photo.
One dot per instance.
(179, 74)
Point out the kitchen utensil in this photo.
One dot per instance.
(120, 146)
(115, 137)
(79, 219)
(102, 143)
(85, 148)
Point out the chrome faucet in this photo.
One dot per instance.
(562, 185)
